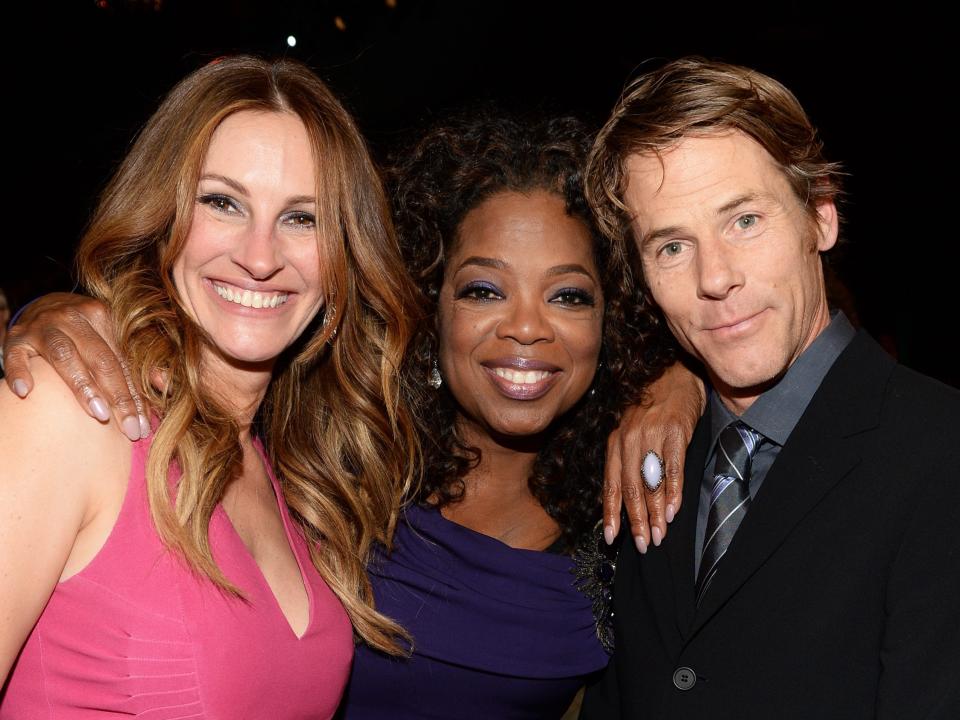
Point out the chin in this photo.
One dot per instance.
(745, 373)
(521, 428)
(251, 347)
(249, 355)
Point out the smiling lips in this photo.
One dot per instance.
(734, 328)
(249, 298)
(521, 378)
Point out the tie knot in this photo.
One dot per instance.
(736, 447)
(749, 437)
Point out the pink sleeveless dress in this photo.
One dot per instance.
(137, 633)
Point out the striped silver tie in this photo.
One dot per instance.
(729, 499)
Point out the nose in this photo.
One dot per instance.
(526, 321)
(718, 272)
(258, 251)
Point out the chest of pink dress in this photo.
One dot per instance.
(137, 633)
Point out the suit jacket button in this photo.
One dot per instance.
(684, 678)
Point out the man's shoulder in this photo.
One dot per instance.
(865, 362)
(909, 385)
(932, 407)
(916, 409)
(868, 389)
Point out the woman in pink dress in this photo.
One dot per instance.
(245, 251)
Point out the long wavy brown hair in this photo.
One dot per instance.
(334, 420)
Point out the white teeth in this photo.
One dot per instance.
(521, 377)
(248, 298)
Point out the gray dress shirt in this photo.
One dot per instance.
(773, 414)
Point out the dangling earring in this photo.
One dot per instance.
(593, 388)
(435, 380)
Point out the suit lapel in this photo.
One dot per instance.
(678, 547)
(817, 456)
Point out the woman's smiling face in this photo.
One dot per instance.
(520, 314)
(249, 272)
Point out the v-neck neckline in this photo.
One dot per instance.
(288, 532)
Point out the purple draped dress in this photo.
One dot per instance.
(498, 632)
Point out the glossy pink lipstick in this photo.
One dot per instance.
(521, 378)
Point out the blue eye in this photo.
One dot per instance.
(745, 222)
(574, 296)
(671, 249)
(480, 291)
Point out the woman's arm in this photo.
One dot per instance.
(54, 475)
(72, 333)
(665, 425)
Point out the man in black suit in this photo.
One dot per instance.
(814, 570)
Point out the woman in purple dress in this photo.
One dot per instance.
(535, 339)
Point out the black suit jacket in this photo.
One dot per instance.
(839, 596)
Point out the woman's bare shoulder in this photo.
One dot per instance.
(62, 479)
(48, 433)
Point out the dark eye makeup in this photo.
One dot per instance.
(218, 201)
(574, 296)
(479, 290)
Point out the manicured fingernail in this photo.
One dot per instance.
(99, 409)
(641, 545)
(131, 427)
(608, 534)
(657, 535)
(20, 388)
(671, 512)
(144, 427)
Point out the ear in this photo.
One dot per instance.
(828, 225)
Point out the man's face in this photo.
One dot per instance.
(731, 257)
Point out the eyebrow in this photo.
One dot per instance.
(226, 181)
(571, 268)
(652, 237)
(239, 187)
(501, 265)
(482, 262)
(737, 202)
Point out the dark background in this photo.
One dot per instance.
(82, 76)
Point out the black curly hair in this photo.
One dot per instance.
(452, 169)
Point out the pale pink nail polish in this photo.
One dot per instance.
(641, 545)
(99, 409)
(608, 534)
(671, 512)
(131, 427)
(657, 536)
(144, 427)
(20, 388)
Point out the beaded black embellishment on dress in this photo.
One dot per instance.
(595, 564)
